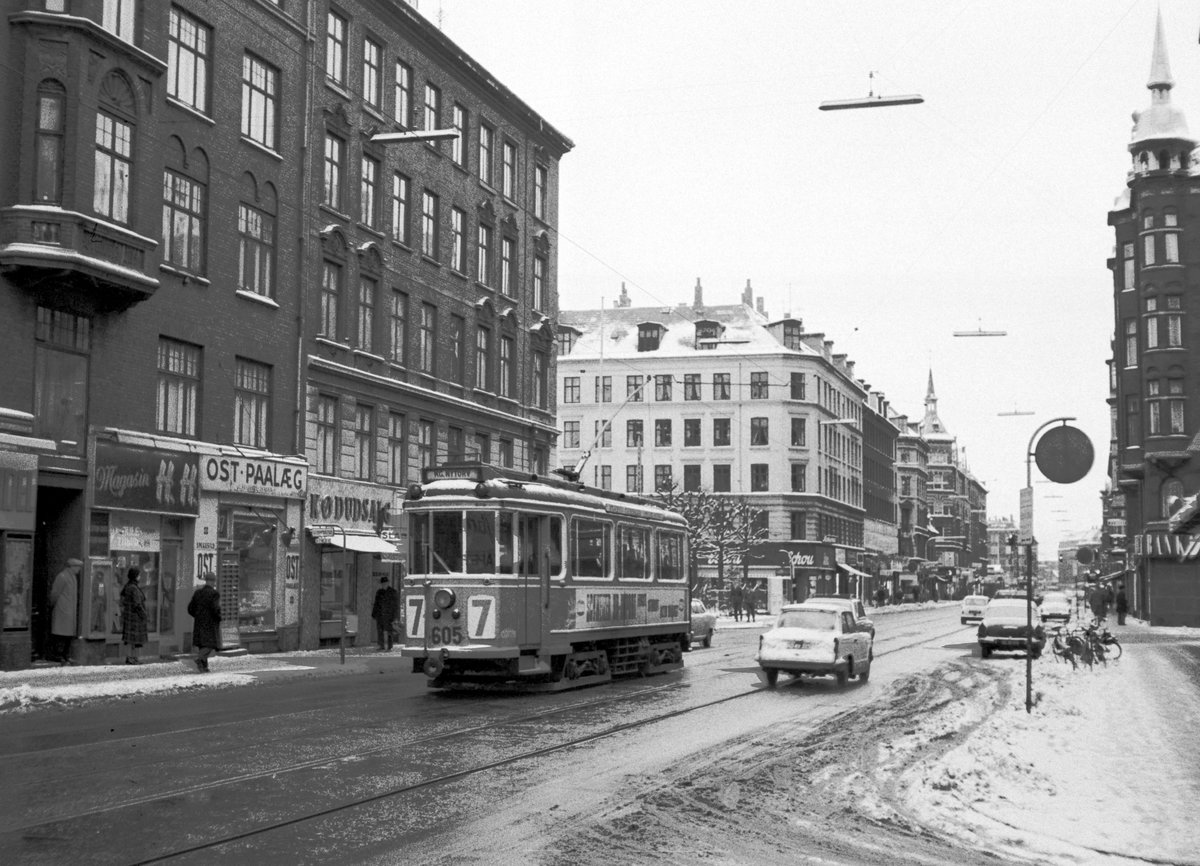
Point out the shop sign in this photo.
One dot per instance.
(145, 479)
(1169, 545)
(18, 490)
(133, 532)
(254, 476)
(347, 504)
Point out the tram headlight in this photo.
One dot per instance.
(456, 614)
(444, 598)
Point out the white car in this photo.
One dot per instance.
(704, 624)
(972, 608)
(816, 639)
(1056, 606)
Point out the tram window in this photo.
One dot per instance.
(481, 542)
(633, 560)
(555, 544)
(591, 541)
(507, 544)
(446, 550)
(418, 528)
(670, 556)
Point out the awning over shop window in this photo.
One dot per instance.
(851, 570)
(359, 542)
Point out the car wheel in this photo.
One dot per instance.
(772, 676)
(687, 643)
(708, 639)
(842, 678)
(864, 674)
(1037, 653)
(961, 620)
(984, 651)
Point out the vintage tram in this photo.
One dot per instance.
(528, 582)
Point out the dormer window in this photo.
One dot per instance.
(650, 336)
(567, 337)
(708, 333)
(792, 332)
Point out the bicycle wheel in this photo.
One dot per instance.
(1113, 648)
(1098, 650)
(1083, 649)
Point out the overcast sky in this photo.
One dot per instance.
(700, 153)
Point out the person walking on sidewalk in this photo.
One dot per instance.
(205, 609)
(749, 600)
(1122, 604)
(64, 600)
(384, 611)
(735, 600)
(133, 616)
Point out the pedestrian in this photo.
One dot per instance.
(384, 611)
(1122, 604)
(1099, 603)
(64, 602)
(133, 616)
(749, 601)
(205, 610)
(735, 600)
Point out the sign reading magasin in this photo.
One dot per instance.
(145, 479)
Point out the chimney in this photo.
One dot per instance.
(623, 300)
(759, 306)
(748, 295)
(698, 303)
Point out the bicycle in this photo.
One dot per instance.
(1095, 641)
(1067, 646)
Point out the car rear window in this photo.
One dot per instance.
(1007, 606)
(976, 600)
(824, 620)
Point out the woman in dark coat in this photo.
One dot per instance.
(133, 616)
(205, 608)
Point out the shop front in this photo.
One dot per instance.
(801, 569)
(351, 546)
(250, 509)
(1169, 563)
(18, 508)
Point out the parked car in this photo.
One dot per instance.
(972, 608)
(1009, 593)
(846, 603)
(815, 639)
(1056, 606)
(704, 623)
(1005, 627)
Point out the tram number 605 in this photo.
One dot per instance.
(445, 634)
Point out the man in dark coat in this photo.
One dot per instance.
(205, 609)
(1122, 604)
(134, 618)
(384, 611)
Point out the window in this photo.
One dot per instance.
(114, 167)
(539, 283)
(508, 252)
(721, 431)
(633, 433)
(798, 390)
(759, 389)
(800, 432)
(399, 326)
(483, 447)
(372, 86)
(364, 442)
(633, 388)
(187, 60)
(1171, 247)
(458, 243)
(571, 389)
(1151, 324)
(633, 478)
(402, 110)
(63, 341)
(486, 137)
(691, 477)
(1153, 417)
(458, 147)
(662, 432)
(603, 434)
(397, 449)
(570, 434)
(331, 292)
(429, 224)
(433, 107)
(256, 251)
(334, 149)
(602, 477)
(799, 477)
(183, 222)
(507, 387)
(335, 48)
(1148, 249)
(1131, 343)
(426, 443)
(483, 358)
(691, 386)
(691, 432)
(508, 172)
(368, 202)
(1130, 267)
(1174, 322)
(603, 388)
(327, 434)
(793, 335)
(426, 338)
(566, 340)
(721, 478)
(798, 520)
(251, 403)
(759, 477)
(260, 101)
(539, 380)
(759, 432)
(366, 314)
(400, 185)
(178, 403)
(483, 256)
(540, 181)
(662, 478)
(50, 128)
(1132, 421)
(662, 387)
(458, 337)
(721, 388)
(119, 18)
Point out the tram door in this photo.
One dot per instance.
(530, 530)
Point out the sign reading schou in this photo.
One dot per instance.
(252, 475)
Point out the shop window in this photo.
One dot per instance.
(248, 562)
(63, 342)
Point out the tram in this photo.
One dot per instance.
(525, 582)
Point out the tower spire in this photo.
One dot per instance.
(1160, 64)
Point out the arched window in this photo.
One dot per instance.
(114, 159)
(51, 126)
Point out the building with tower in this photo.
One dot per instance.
(1155, 396)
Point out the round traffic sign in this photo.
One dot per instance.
(1064, 454)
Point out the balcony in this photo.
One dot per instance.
(47, 247)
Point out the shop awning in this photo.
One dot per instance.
(359, 542)
(852, 570)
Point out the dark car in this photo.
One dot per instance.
(1005, 626)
